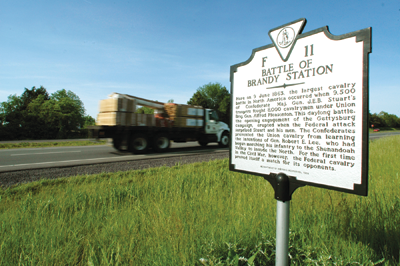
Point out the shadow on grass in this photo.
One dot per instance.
(378, 232)
(385, 242)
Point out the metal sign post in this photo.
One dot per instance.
(299, 110)
(282, 233)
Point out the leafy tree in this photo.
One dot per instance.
(389, 120)
(46, 114)
(375, 120)
(36, 115)
(71, 112)
(213, 96)
(11, 117)
(29, 95)
(199, 98)
(88, 121)
(14, 114)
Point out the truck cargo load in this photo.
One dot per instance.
(125, 119)
(117, 105)
(181, 110)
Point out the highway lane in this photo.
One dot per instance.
(378, 135)
(36, 158)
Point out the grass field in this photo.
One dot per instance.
(199, 214)
(50, 144)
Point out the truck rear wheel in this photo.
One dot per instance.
(139, 144)
(161, 143)
(224, 142)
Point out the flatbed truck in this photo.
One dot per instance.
(139, 139)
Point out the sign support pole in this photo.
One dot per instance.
(283, 197)
(282, 233)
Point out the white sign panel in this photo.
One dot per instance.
(300, 107)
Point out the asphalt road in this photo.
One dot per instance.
(377, 135)
(37, 158)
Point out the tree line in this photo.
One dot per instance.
(383, 119)
(36, 114)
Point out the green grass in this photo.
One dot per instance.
(199, 214)
(50, 144)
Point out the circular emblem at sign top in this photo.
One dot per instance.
(285, 37)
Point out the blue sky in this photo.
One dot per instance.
(164, 50)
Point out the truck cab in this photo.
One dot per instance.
(215, 129)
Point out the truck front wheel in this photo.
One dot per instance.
(139, 144)
(224, 142)
(161, 143)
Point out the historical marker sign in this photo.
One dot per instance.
(300, 107)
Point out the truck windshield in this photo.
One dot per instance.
(213, 115)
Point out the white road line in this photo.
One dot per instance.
(70, 161)
(53, 148)
(43, 153)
